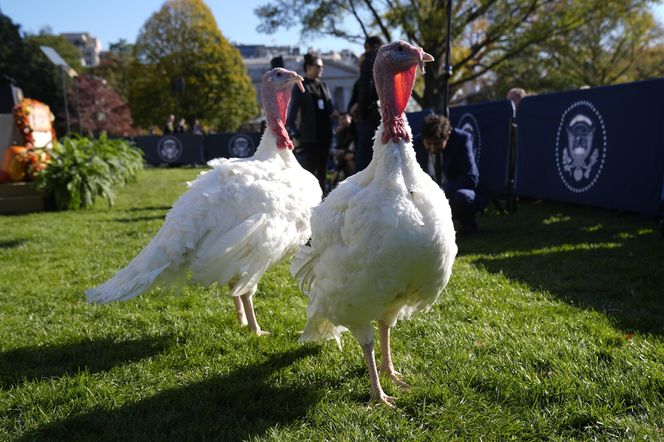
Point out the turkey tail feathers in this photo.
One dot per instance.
(137, 277)
(320, 329)
(302, 267)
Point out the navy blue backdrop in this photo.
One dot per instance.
(415, 120)
(490, 124)
(231, 145)
(188, 149)
(176, 150)
(601, 146)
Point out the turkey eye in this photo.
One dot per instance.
(278, 74)
(400, 48)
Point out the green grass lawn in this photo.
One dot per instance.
(552, 327)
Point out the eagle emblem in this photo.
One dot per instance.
(169, 148)
(580, 156)
(581, 146)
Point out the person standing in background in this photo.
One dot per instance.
(344, 151)
(181, 127)
(515, 95)
(169, 127)
(310, 119)
(365, 112)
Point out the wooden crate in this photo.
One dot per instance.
(20, 198)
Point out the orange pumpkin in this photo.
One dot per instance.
(14, 163)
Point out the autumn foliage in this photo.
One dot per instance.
(102, 109)
(182, 44)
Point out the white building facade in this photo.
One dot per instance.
(340, 73)
(89, 46)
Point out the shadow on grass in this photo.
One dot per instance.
(547, 224)
(241, 405)
(142, 209)
(55, 361)
(138, 218)
(615, 282)
(12, 244)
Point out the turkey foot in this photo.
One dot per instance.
(394, 375)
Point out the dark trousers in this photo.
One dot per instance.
(315, 160)
(465, 205)
(364, 151)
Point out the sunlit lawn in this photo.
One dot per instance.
(551, 328)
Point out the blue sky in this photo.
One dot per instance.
(115, 19)
(111, 20)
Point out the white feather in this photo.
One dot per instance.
(382, 247)
(235, 222)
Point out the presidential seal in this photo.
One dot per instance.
(240, 146)
(169, 148)
(468, 123)
(580, 146)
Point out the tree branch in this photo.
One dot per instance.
(357, 17)
(379, 21)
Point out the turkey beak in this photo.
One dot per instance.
(298, 79)
(425, 59)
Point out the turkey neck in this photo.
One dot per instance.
(394, 124)
(275, 104)
(394, 90)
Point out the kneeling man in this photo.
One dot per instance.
(449, 160)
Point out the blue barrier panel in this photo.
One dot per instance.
(231, 145)
(415, 120)
(490, 125)
(601, 146)
(174, 150)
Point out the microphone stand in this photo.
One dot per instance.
(448, 68)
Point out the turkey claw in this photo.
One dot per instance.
(397, 380)
(383, 399)
(395, 376)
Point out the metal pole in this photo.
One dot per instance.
(64, 92)
(448, 68)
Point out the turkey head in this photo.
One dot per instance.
(276, 87)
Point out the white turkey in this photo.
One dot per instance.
(235, 221)
(383, 242)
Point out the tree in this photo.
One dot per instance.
(615, 45)
(183, 65)
(115, 65)
(485, 33)
(101, 108)
(23, 62)
(651, 63)
(66, 49)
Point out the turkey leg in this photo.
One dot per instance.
(239, 310)
(239, 307)
(251, 316)
(377, 393)
(386, 366)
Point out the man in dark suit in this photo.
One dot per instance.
(365, 111)
(447, 156)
